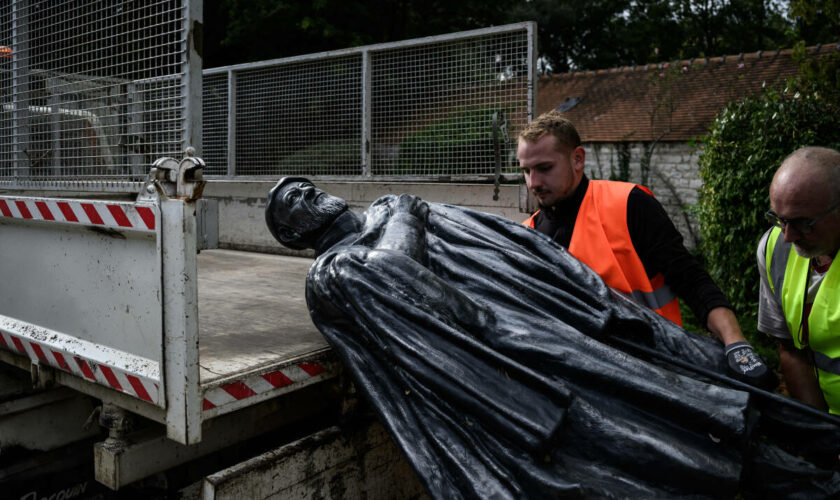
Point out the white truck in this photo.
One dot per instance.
(133, 350)
(119, 320)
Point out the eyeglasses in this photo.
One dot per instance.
(801, 225)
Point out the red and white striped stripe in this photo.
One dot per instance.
(297, 375)
(109, 376)
(127, 216)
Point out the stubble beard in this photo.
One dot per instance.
(807, 253)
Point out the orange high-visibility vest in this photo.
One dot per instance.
(601, 240)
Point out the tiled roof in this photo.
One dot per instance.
(681, 98)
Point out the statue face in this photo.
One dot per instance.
(299, 211)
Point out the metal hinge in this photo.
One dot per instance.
(170, 178)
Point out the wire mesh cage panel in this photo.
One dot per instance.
(297, 117)
(214, 102)
(438, 106)
(449, 108)
(91, 92)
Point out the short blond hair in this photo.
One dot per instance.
(554, 123)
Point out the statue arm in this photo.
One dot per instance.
(405, 230)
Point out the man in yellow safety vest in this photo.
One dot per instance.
(800, 275)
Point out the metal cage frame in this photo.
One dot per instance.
(93, 93)
(248, 144)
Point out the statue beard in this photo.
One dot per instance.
(327, 211)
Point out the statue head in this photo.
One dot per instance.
(297, 213)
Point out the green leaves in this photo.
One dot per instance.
(608, 33)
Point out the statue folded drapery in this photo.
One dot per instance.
(484, 348)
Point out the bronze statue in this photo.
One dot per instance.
(489, 354)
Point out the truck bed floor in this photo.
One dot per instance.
(252, 312)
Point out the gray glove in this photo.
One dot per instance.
(747, 366)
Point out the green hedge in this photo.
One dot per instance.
(746, 143)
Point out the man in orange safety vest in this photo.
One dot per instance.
(621, 232)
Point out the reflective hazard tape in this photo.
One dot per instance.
(109, 376)
(826, 363)
(293, 376)
(656, 299)
(93, 213)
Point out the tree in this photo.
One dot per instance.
(718, 27)
(755, 24)
(654, 32)
(574, 35)
(253, 30)
(816, 21)
(609, 33)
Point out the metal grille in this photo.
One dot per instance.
(298, 117)
(449, 108)
(91, 91)
(214, 102)
(439, 106)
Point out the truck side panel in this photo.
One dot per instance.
(82, 290)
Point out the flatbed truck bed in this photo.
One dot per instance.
(252, 313)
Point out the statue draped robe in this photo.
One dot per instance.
(482, 346)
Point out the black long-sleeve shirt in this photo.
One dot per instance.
(656, 240)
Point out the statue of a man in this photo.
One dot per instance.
(478, 342)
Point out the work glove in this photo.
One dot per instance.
(746, 365)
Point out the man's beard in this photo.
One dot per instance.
(536, 195)
(806, 253)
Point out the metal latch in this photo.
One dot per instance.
(176, 179)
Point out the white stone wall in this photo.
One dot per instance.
(673, 177)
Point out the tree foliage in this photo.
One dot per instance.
(572, 35)
(816, 21)
(253, 30)
(609, 33)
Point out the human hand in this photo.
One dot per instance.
(746, 365)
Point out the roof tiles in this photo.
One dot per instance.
(671, 101)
